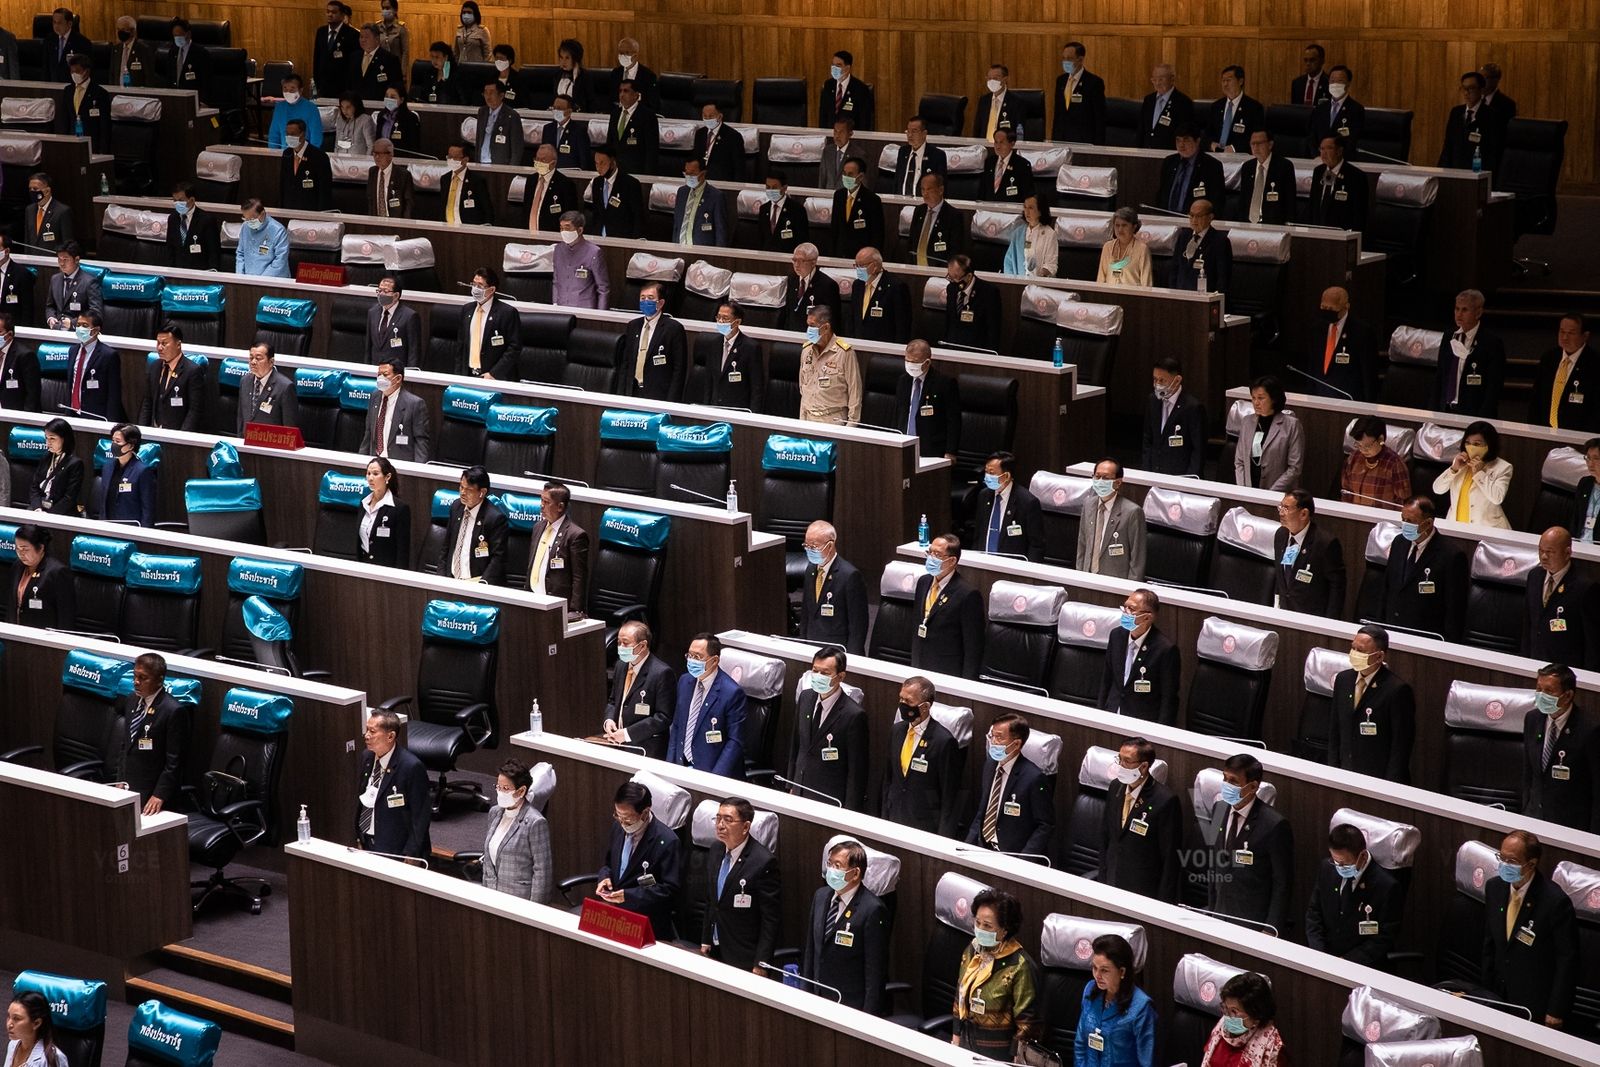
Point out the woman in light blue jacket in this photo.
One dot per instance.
(1034, 245)
(1118, 1024)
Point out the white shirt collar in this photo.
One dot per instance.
(737, 851)
(374, 506)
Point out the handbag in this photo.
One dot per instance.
(1034, 1054)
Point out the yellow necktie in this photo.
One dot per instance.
(450, 202)
(1066, 104)
(1513, 906)
(994, 117)
(366, 61)
(1562, 371)
(849, 205)
(1127, 806)
(538, 557)
(933, 594)
(1463, 503)
(816, 593)
(644, 346)
(475, 360)
(906, 750)
(922, 241)
(77, 97)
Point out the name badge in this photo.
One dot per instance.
(265, 407)
(1574, 398)
(830, 755)
(1272, 198)
(641, 708)
(582, 272)
(308, 183)
(735, 377)
(395, 800)
(1200, 190)
(1014, 530)
(394, 201)
(402, 439)
(1425, 588)
(1243, 857)
(975, 1006)
(967, 315)
(124, 486)
(1140, 826)
(1526, 936)
(1141, 685)
(395, 342)
(1475, 137)
(12, 383)
(919, 764)
(659, 359)
(1367, 928)
(742, 900)
(1097, 1043)
(1011, 808)
(860, 224)
(92, 383)
(1238, 127)
(844, 938)
(1558, 626)
(1341, 357)
(146, 744)
(938, 246)
(645, 881)
(825, 610)
(1175, 441)
(1077, 98)
(1474, 379)
(195, 249)
(1116, 550)
(705, 227)
(469, 202)
(35, 604)
(263, 250)
(94, 112)
(1340, 194)
(11, 298)
(922, 631)
(558, 563)
(74, 305)
(497, 340)
(382, 531)
(1368, 728)
(499, 138)
(1560, 772)
(615, 201)
(1164, 120)
(875, 312)
(188, 75)
(926, 409)
(553, 209)
(1304, 577)
(713, 737)
(176, 401)
(481, 549)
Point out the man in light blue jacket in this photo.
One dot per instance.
(263, 244)
(294, 106)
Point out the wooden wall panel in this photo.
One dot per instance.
(1405, 53)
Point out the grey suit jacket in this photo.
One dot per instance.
(1121, 553)
(84, 292)
(405, 325)
(278, 395)
(833, 163)
(506, 152)
(523, 869)
(410, 422)
(1283, 453)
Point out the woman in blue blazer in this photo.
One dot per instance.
(1118, 1024)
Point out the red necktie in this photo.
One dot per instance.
(77, 378)
(1311, 89)
(383, 438)
(838, 96)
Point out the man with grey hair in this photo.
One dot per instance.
(394, 808)
(927, 403)
(833, 595)
(1164, 109)
(390, 192)
(1471, 363)
(830, 377)
(377, 70)
(548, 194)
(879, 308)
(579, 267)
(133, 63)
(808, 288)
(1374, 712)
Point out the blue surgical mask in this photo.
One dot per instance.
(692, 181)
(774, 195)
(647, 308)
(1102, 487)
(256, 224)
(391, 104)
(625, 653)
(1128, 620)
(814, 556)
(848, 181)
(724, 328)
(1510, 873)
(813, 334)
(695, 667)
(711, 124)
(181, 207)
(291, 140)
(1346, 870)
(1233, 1026)
(1410, 531)
(986, 938)
(468, 18)
(992, 482)
(996, 752)
(1547, 703)
(1231, 794)
(82, 333)
(861, 274)
(836, 72)
(836, 879)
(934, 565)
(1068, 66)
(819, 682)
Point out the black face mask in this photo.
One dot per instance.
(1328, 314)
(909, 712)
(124, 35)
(36, 195)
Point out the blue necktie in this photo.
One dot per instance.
(1227, 123)
(916, 402)
(722, 872)
(1180, 187)
(996, 513)
(627, 851)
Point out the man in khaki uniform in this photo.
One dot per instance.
(830, 377)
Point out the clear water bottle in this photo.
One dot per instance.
(1200, 282)
(1477, 159)
(1058, 358)
(105, 184)
(77, 127)
(733, 495)
(302, 826)
(535, 718)
(924, 539)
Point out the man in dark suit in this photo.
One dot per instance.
(922, 781)
(644, 694)
(1560, 754)
(857, 221)
(1267, 188)
(708, 723)
(1493, 98)
(719, 149)
(16, 286)
(72, 291)
(830, 751)
(633, 132)
(398, 423)
(1339, 192)
(1338, 113)
(474, 547)
(393, 328)
(490, 331)
(1143, 827)
(1373, 715)
(63, 43)
(808, 288)
(699, 212)
(95, 379)
(1475, 133)
(570, 139)
(1174, 424)
(917, 158)
(1080, 100)
(833, 595)
(266, 394)
(464, 198)
(1164, 109)
(194, 238)
(1471, 363)
(1190, 174)
(1016, 800)
(158, 730)
(1559, 398)
(189, 63)
(1309, 575)
(629, 69)
(1311, 85)
(734, 365)
(1007, 174)
(640, 872)
(1251, 848)
(1142, 665)
(782, 221)
(175, 387)
(19, 374)
(927, 403)
(1355, 906)
(1204, 254)
(972, 315)
(1234, 116)
(334, 53)
(395, 805)
(84, 107)
(1425, 580)
(938, 231)
(500, 139)
(1563, 608)
(616, 199)
(10, 63)
(743, 892)
(391, 193)
(949, 638)
(997, 109)
(46, 221)
(653, 352)
(548, 195)
(879, 306)
(1007, 518)
(305, 177)
(376, 70)
(845, 96)
(133, 61)
(558, 554)
(847, 937)
(1530, 934)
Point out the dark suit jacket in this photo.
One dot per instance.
(1033, 792)
(646, 710)
(954, 629)
(16, 292)
(858, 969)
(722, 711)
(790, 228)
(1016, 184)
(858, 104)
(1336, 912)
(1501, 105)
(383, 73)
(55, 54)
(885, 316)
(831, 758)
(1405, 603)
(1157, 662)
(644, 80)
(1187, 426)
(1581, 414)
(1570, 797)
(10, 65)
(65, 490)
(1217, 252)
(560, 196)
(1486, 363)
(1206, 182)
(636, 147)
(666, 366)
(844, 595)
(724, 160)
(927, 794)
(391, 548)
(948, 236)
(860, 227)
(411, 421)
(501, 344)
(1315, 583)
(105, 369)
(1349, 123)
(622, 215)
(56, 230)
(710, 223)
(196, 65)
(973, 319)
(1157, 131)
(402, 193)
(1021, 524)
(94, 113)
(203, 232)
(1085, 120)
(405, 326)
(1485, 134)
(1297, 90)
(1248, 117)
(19, 374)
(308, 187)
(178, 403)
(1383, 748)
(1010, 114)
(490, 529)
(399, 829)
(1567, 628)
(572, 145)
(566, 572)
(743, 936)
(138, 501)
(476, 207)
(66, 299)
(938, 411)
(402, 127)
(158, 770)
(655, 863)
(1263, 889)
(1344, 207)
(1542, 976)
(503, 136)
(1141, 855)
(335, 60)
(51, 588)
(934, 161)
(274, 404)
(820, 288)
(740, 382)
(1277, 200)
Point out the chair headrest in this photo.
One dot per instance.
(1238, 413)
(952, 900)
(1415, 345)
(1099, 767)
(1503, 564)
(1379, 540)
(1237, 645)
(1025, 605)
(1322, 666)
(1101, 320)
(676, 438)
(522, 258)
(1437, 443)
(669, 802)
(1046, 161)
(1582, 886)
(543, 785)
(1189, 513)
(882, 875)
(284, 311)
(1476, 863)
(75, 1003)
(799, 454)
(463, 623)
(1393, 844)
(1064, 494)
(799, 148)
(708, 280)
(1198, 980)
(956, 720)
(1470, 706)
(221, 167)
(90, 673)
(764, 827)
(1068, 941)
(1083, 229)
(759, 290)
(646, 266)
(1438, 1052)
(315, 233)
(621, 424)
(256, 712)
(27, 443)
(994, 226)
(1087, 181)
(1207, 790)
(761, 677)
(635, 529)
(1042, 303)
(1043, 751)
(1370, 1018)
(1258, 246)
(409, 253)
(1563, 468)
(933, 293)
(1086, 625)
(176, 574)
(100, 556)
(965, 158)
(268, 578)
(899, 579)
(157, 1032)
(338, 489)
(1248, 533)
(194, 299)
(520, 420)
(1409, 188)
(365, 249)
(464, 403)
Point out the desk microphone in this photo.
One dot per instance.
(835, 801)
(719, 501)
(886, 429)
(1380, 155)
(70, 410)
(1164, 211)
(1266, 928)
(838, 997)
(410, 861)
(560, 385)
(414, 155)
(1322, 384)
(1386, 503)
(550, 477)
(84, 633)
(1002, 852)
(620, 744)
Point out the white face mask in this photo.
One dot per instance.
(994, 85)
(502, 65)
(541, 168)
(388, 384)
(506, 800)
(80, 79)
(916, 370)
(480, 293)
(569, 236)
(1127, 775)
(455, 165)
(1337, 90)
(291, 96)
(291, 140)
(624, 61)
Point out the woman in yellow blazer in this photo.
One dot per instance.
(1125, 260)
(1477, 479)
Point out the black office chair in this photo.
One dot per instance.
(1260, 273)
(1369, 598)
(1530, 170)
(279, 584)
(156, 1032)
(1559, 475)
(350, 424)
(700, 835)
(463, 432)
(98, 565)
(285, 324)
(945, 115)
(677, 95)
(1497, 595)
(1197, 985)
(233, 808)
(780, 101)
(318, 394)
(591, 357)
(225, 508)
(90, 733)
(941, 958)
(200, 309)
(783, 380)
(1413, 365)
(545, 336)
(1122, 122)
(1372, 1019)
(453, 709)
(762, 679)
(1435, 447)
(693, 463)
(216, 179)
(1232, 677)
(672, 805)
(1458, 955)
(1483, 743)
(442, 344)
(1316, 706)
(347, 325)
(522, 511)
(1020, 637)
(1400, 224)
(880, 375)
(1244, 563)
(627, 460)
(431, 554)
(25, 446)
(1066, 954)
(898, 617)
(1089, 339)
(988, 425)
(1061, 498)
(1030, 114)
(338, 525)
(521, 440)
(77, 1013)
(630, 555)
(727, 94)
(1084, 849)
(705, 289)
(161, 608)
(1387, 132)
(132, 303)
(1180, 530)
(1082, 632)
(797, 482)
(1582, 886)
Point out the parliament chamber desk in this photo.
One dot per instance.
(77, 173)
(1311, 987)
(1326, 419)
(185, 129)
(324, 733)
(499, 980)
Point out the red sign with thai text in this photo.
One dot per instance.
(616, 924)
(288, 438)
(320, 274)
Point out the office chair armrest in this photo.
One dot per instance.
(467, 859)
(891, 988)
(627, 613)
(474, 719)
(315, 676)
(180, 526)
(785, 955)
(395, 702)
(16, 754)
(88, 770)
(199, 653)
(757, 774)
(939, 1025)
(1405, 965)
(229, 812)
(568, 884)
